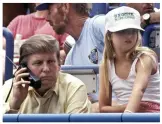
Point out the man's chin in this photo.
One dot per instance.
(45, 81)
(58, 31)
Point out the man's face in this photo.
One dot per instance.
(46, 67)
(57, 18)
(142, 8)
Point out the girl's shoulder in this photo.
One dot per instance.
(147, 60)
(146, 55)
(144, 52)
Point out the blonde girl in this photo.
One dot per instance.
(128, 69)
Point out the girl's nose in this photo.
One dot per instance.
(130, 35)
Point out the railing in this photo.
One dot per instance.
(91, 68)
(9, 53)
(91, 117)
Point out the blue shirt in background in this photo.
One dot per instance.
(88, 49)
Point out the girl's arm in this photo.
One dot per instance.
(105, 100)
(144, 67)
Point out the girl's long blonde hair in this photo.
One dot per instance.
(109, 54)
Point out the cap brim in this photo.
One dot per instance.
(42, 6)
(119, 28)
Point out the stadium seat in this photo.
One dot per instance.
(151, 38)
(9, 53)
(88, 74)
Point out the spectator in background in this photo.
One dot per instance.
(25, 26)
(63, 38)
(149, 15)
(73, 18)
(128, 69)
(59, 92)
(28, 25)
(147, 11)
(47, 29)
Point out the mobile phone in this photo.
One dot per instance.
(35, 81)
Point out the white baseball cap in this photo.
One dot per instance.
(123, 18)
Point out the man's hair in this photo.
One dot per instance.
(82, 8)
(39, 43)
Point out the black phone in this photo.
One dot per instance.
(35, 81)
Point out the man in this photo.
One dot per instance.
(73, 18)
(148, 14)
(57, 93)
(25, 26)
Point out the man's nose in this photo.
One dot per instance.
(150, 4)
(47, 17)
(46, 68)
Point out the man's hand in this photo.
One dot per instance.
(20, 89)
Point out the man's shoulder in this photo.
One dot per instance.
(24, 16)
(100, 16)
(98, 19)
(7, 86)
(70, 80)
(98, 24)
(8, 82)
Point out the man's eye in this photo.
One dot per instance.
(37, 63)
(51, 61)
